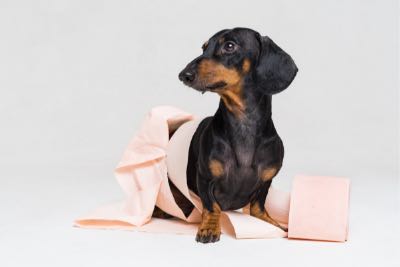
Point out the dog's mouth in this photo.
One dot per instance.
(215, 86)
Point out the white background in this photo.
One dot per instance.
(77, 77)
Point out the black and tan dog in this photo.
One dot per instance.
(234, 154)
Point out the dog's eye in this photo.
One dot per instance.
(229, 47)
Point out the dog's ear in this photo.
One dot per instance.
(275, 68)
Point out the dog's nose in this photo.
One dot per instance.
(187, 76)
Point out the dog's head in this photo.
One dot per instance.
(231, 57)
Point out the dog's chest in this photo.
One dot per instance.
(243, 144)
(244, 151)
(235, 189)
(241, 179)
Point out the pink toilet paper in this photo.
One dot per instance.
(319, 208)
(318, 205)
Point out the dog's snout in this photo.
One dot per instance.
(187, 76)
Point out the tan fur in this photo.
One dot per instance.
(210, 223)
(246, 66)
(216, 168)
(212, 72)
(233, 100)
(268, 174)
(256, 211)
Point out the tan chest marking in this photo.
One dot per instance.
(216, 168)
(268, 173)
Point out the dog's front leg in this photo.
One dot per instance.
(257, 206)
(210, 228)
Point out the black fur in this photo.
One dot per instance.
(244, 145)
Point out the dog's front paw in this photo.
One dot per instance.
(208, 235)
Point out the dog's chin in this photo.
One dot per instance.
(214, 87)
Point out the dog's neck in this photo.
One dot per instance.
(253, 111)
(245, 130)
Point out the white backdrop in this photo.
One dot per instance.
(77, 77)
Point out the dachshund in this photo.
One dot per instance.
(235, 154)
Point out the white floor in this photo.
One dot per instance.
(37, 211)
